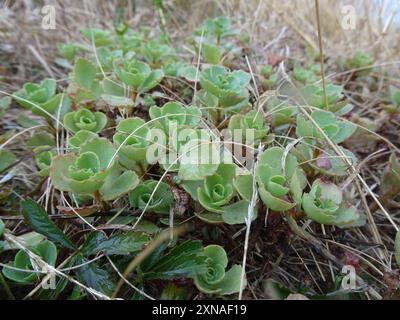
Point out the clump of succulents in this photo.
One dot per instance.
(124, 146)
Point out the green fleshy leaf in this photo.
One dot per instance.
(211, 53)
(103, 148)
(151, 81)
(161, 200)
(231, 283)
(98, 36)
(84, 73)
(237, 212)
(210, 217)
(81, 137)
(117, 101)
(58, 169)
(274, 203)
(118, 183)
(188, 72)
(200, 161)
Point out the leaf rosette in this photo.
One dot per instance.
(251, 121)
(325, 205)
(43, 161)
(154, 195)
(85, 119)
(230, 87)
(280, 180)
(215, 279)
(85, 172)
(337, 130)
(132, 139)
(43, 95)
(218, 189)
(174, 114)
(137, 74)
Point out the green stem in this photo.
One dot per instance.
(6, 287)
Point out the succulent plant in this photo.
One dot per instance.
(157, 196)
(137, 74)
(280, 180)
(85, 172)
(92, 170)
(326, 160)
(158, 54)
(46, 250)
(305, 75)
(314, 95)
(216, 280)
(252, 121)
(337, 130)
(229, 87)
(132, 139)
(325, 205)
(68, 50)
(85, 119)
(217, 28)
(43, 161)
(41, 98)
(361, 60)
(174, 114)
(268, 77)
(98, 36)
(218, 189)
